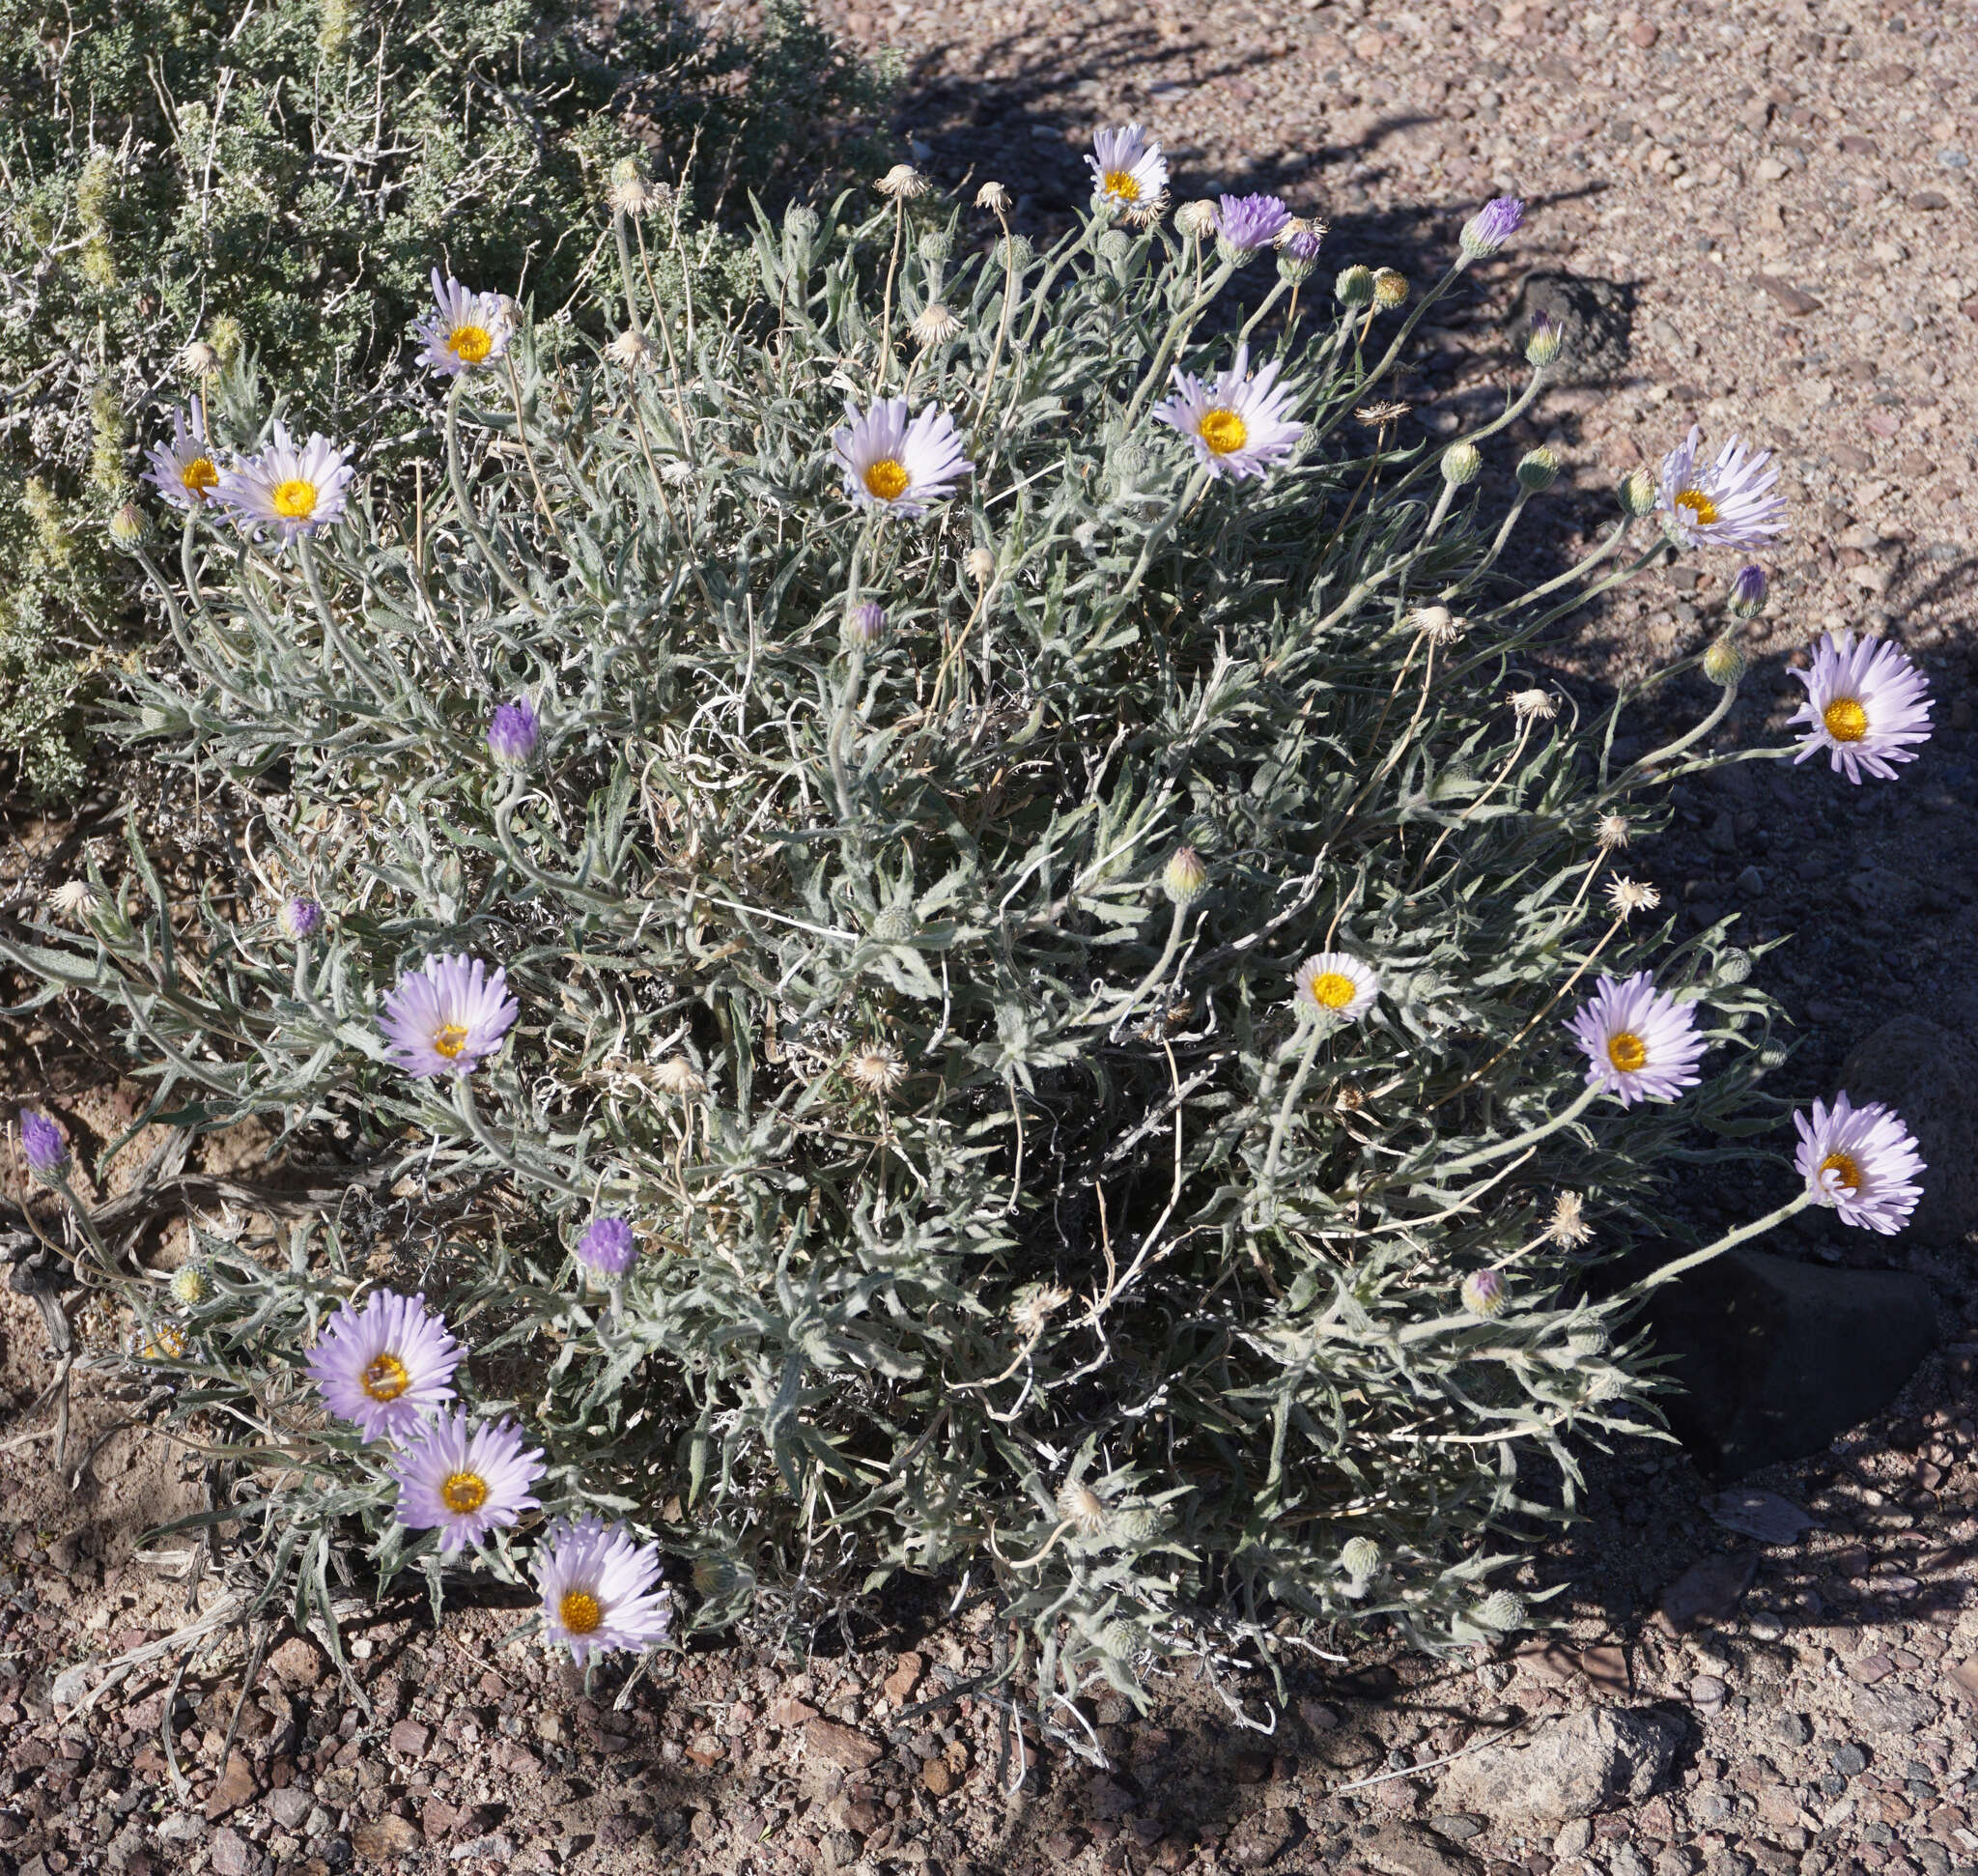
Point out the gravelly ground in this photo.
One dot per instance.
(1775, 213)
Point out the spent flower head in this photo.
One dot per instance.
(935, 325)
(1569, 1225)
(1627, 897)
(877, 1068)
(904, 182)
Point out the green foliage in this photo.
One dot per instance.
(1004, 1219)
(285, 178)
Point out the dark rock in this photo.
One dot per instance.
(1596, 318)
(1930, 1077)
(1408, 1850)
(1456, 1826)
(1775, 1358)
(1571, 1768)
(289, 1805)
(230, 1854)
(1849, 1759)
(1792, 300)
(1262, 1838)
(1708, 1591)
(1763, 1515)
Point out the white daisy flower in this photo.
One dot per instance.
(465, 1485)
(464, 329)
(1127, 167)
(1728, 502)
(185, 470)
(1334, 985)
(599, 1589)
(898, 466)
(1862, 1161)
(1866, 706)
(1641, 1044)
(1239, 424)
(294, 491)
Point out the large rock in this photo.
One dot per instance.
(1775, 1358)
(1570, 1768)
(1930, 1077)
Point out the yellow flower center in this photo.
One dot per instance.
(167, 1344)
(463, 1492)
(1702, 509)
(386, 1379)
(450, 1040)
(1333, 989)
(1120, 183)
(1224, 430)
(200, 477)
(471, 344)
(1626, 1051)
(1846, 719)
(886, 480)
(1850, 1179)
(295, 501)
(580, 1612)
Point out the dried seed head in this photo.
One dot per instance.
(1032, 1307)
(677, 1076)
(1534, 703)
(1461, 464)
(1380, 416)
(1349, 1098)
(876, 1069)
(1569, 1225)
(1146, 212)
(1184, 878)
(980, 563)
(631, 191)
(1610, 831)
(904, 182)
(1081, 1507)
(935, 325)
(74, 899)
(1627, 897)
(1196, 219)
(198, 360)
(994, 197)
(629, 350)
(1438, 624)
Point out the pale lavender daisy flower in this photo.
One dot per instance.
(185, 470)
(465, 1485)
(300, 917)
(1247, 223)
(1867, 705)
(513, 731)
(1862, 1161)
(43, 1145)
(386, 1366)
(295, 490)
(608, 1247)
(896, 466)
(1491, 226)
(1640, 1043)
(1127, 167)
(464, 329)
(601, 1590)
(447, 1016)
(1728, 502)
(1239, 424)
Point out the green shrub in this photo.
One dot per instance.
(280, 182)
(923, 984)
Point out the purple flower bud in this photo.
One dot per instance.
(302, 918)
(1483, 1294)
(1748, 592)
(1302, 243)
(1491, 226)
(1249, 222)
(41, 1141)
(514, 731)
(866, 624)
(608, 1247)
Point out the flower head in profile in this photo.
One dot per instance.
(1640, 1043)
(1334, 984)
(895, 464)
(607, 1246)
(1748, 592)
(599, 1589)
(447, 1016)
(1862, 1161)
(1728, 501)
(1491, 226)
(1247, 223)
(1239, 424)
(300, 918)
(294, 488)
(466, 1483)
(185, 470)
(1567, 1225)
(43, 1145)
(386, 1366)
(75, 898)
(1483, 1294)
(935, 325)
(1127, 167)
(464, 329)
(513, 731)
(1866, 706)
(904, 182)
(1300, 238)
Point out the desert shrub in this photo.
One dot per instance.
(277, 183)
(1061, 997)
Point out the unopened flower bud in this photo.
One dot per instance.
(1637, 493)
(1491, 226)
(1292, 270)
(1184, 877)
(1734, 966)
(1461, 464)
(300, 918)
(1748, 592)
(1724, 661)
(513, 732)
(1196, 219)
(128, 528)
(935, 245)
(1116, 248)
(43, 1145)
(1538, 469)
(1502, 1610)
(1360, 1558)
(866, 624)
(1544, 343)
(1483, 1294)
(1355, 287)
(191, 1285)
(980, 564)
(1390, 289)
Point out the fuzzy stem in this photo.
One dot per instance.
(1639, 769)
(1307, 1056)
(1531, 1136)
(1669, 1272)
(468, 518)
(528, 456)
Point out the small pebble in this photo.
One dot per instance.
(1765, 1626)
(1849, 1759)
(1707, 1692)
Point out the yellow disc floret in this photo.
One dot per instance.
(1332, 989)
(1628, 1051)
(200, 477)
(1224, 430)
(295, 499)
(471, 344)
(463, 1492)
(886, 480)
(1701, 509)
(1846, 719)
(580, 1612)
(1120, 183)
(450, 1040)
(1843, 1164)
(386, 1379)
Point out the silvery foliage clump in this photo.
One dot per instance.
(1003, 1219)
